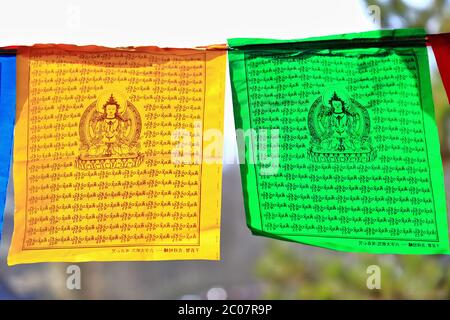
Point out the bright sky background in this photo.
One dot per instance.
(174, 23)
(180, 23)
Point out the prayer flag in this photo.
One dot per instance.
(440, 44)
(117, 154)
(341, 144)
(7, 114)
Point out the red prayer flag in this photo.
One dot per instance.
(441, 48)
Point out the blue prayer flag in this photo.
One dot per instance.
(7, 118)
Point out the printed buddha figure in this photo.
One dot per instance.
(340, 126)
(109, 131)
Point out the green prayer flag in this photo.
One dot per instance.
(341, 143)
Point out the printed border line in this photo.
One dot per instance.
(119, 245)
(251, 142)
(419, 85)
(28, 139)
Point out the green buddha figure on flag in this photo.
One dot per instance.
(340, 129)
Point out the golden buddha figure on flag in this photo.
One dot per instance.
(110, 128)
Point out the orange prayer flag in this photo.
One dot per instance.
(111, 157)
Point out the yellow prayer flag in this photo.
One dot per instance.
(117, 153)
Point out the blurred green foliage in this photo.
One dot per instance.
(403, 13)
(336, 275)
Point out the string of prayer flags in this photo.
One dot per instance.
(340, 141)
(7, 115)
(111, 158)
